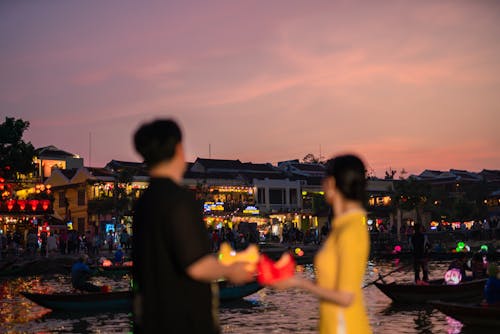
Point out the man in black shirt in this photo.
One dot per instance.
(421, 246)
(173, 265)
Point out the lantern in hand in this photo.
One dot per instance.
(250, 255)
(270, 272)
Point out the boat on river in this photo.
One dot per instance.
(116, 301)
(470, 291)
(471, 314)
(229, 291)
(121, 301)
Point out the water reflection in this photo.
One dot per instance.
(267, 311)
(19, 315)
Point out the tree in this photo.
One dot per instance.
(16, 156)
(389, 174)
(312, 159)
(412, 195)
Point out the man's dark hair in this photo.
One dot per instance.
(156, 141)
(349, 174)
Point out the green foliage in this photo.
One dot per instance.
(16, 156)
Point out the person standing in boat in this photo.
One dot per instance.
(342, 260)
(173, 265)
(421, 246)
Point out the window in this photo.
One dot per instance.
(262, 195)
(293, 196)
(276, 196)
(81, 225)
(81, 197)
(62, 199)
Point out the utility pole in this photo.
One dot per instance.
(90, 149)
(209, 151)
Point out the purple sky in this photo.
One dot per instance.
(409, 85)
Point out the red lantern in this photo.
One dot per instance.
(45, 204)
(34, 204)
(270, 272)
(10, 204)
(22, 204)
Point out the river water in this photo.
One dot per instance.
(267, 311)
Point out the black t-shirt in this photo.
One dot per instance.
(169, 236)
(419, 245)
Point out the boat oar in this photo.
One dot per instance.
(381, 277)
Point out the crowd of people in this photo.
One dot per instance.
(33, 243)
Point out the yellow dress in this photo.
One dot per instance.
(340, 265)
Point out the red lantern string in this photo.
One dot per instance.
(34, 204)
(45, 204)
(22, 204)
(10, 204)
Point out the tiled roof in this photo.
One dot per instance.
(68, 173)
(248, 166)
(52, 151)
(219, 163)
(310, 167)
(117, 164)
(98, 172)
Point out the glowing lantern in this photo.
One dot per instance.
(228, 256)
(107, 263)
(270, 272)
(453, 276)
(105, 288)
(34, 204)
(397, 249)
(45, 204)
(297, 250)
(22, 204)
(460, 246)
(484, 248)
(10, 204)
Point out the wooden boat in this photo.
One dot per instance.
(84, 302)
(121, 301)
(471, 291)
(228, 291)
(471, 314)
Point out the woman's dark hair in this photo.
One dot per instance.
(156, 141)
(349, 174)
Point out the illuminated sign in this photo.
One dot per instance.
(252, 210)
(211, 206)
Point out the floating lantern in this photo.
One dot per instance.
(228, 256)
(397, 249)
(461, 247)
(453, 276)
(270, 272)
(107, 263)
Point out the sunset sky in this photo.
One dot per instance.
(405, 84)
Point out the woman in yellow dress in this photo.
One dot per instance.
(341, 262)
